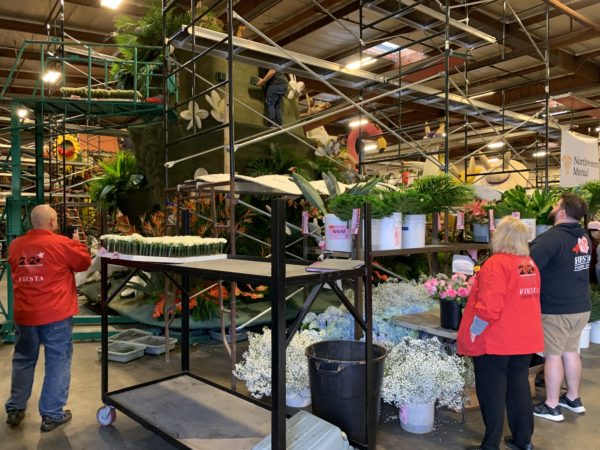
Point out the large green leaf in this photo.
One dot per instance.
(309, 192)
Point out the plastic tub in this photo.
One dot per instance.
(387, 232)
(123, 351)
(413, 230)
(129, 335)
(337, 234)
(417, 418)
(155, 345)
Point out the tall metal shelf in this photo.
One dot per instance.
(177, 421)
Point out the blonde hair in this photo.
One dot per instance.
(511, 236)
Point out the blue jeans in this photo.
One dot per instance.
(58, 350)
(273, 96)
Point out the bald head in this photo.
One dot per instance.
(44, 217)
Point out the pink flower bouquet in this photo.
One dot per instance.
(453, 289)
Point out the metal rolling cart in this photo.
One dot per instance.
(192, 412)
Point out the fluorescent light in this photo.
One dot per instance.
(361, 63)
(498, 144)
(112, 4)
(51, 76)
(483, 94)
(539, 154)
(493, 160)
(371, 146)
(358, 122)
(22, 113)
(597, 129)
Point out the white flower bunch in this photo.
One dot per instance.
(395, 297)
(255, 368)
(421, 371)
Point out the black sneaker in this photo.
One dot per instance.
(546, 412)
(15, 416)
(49, 424)
(572, 405)
(510, 443)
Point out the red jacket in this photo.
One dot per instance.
(42, 265)
(506, 294)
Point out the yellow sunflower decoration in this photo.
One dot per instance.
(68, 145)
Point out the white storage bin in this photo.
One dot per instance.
(123, 351)
(155, 345)
(129, 335)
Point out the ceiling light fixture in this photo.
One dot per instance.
(539, 154)
(360, 63)
(22, 113)
(498, 144)
(358, 122)
(371, 146)
(51, 76)
(112, 4)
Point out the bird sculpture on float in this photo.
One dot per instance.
(481, 171)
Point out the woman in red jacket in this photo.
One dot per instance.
(500, 329)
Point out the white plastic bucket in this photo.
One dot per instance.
(337, 234)
(413, 230)
(297, 399)
(595, 333)
(386, 233)
(584, 339)
(531, 226)
(417, 418)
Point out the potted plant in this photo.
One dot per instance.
(122, 186)
(516, 200)
(452, 293)
(255, 367)
(478, 217)
(428, 195)
(541, 203)
(338, 210)
(417, 374)
(414, 205)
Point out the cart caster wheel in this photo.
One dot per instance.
(106, 415)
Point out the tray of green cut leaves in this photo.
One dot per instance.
(129, 335)
(156, 345)
(168, 249)
(123, 351)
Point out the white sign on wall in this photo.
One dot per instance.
(578, 159)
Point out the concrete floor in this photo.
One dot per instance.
(210, 361)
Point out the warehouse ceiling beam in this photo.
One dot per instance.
(317, 24)
(541, 16)
(575, 15)
(39, 28)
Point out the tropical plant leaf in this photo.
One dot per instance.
(309, 192)
(332, 184)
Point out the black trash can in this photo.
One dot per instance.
(338, 377)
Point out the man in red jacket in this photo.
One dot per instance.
(42, 264)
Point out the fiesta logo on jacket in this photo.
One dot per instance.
(581, 262)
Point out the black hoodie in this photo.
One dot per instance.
(563, 256)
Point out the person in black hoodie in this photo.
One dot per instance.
(563, 255)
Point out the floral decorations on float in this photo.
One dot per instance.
(452, 293)
(417, 374)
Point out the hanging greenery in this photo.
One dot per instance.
(144, 36)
